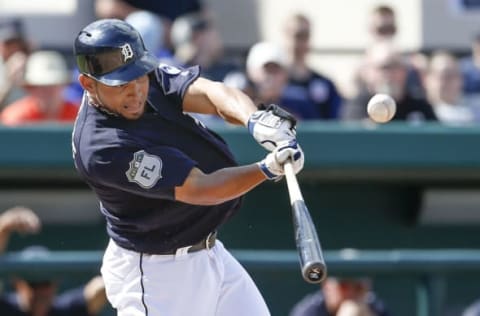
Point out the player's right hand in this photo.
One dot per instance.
(272, 125)
(272, 165)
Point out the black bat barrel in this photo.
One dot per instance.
(312, 263)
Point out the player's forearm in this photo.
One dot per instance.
(220, 186)
(210, 97)
(234, 106)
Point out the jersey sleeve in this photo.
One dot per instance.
(150, 172)
(175, 80)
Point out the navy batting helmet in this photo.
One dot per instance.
(112, 52)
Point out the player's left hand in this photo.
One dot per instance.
(272, 125)
(272, 165)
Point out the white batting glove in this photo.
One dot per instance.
(272, 165)
(272, 125)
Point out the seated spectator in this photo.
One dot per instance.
(14, 50)
(35, 293)
(308, 94)
(196, 41)
(470, 67)
(341, 297)
(113, 9)
(46, 76)
(444, 85)
(266, 67)
(382, 28)
(386, 71)
(169, 9)
(152, 29)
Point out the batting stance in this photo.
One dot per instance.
(164, 181)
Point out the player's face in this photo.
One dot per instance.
(126, 100)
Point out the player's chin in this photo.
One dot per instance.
(134, 111)
(133, 115)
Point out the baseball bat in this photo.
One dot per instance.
(312, 264)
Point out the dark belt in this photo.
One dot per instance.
(206, 243)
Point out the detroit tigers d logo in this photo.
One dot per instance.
(127, 52)
(145, 169)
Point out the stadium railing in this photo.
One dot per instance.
(428, 266)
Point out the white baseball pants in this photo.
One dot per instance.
(203, 283)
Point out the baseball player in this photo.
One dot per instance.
(165, 182)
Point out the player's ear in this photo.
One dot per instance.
(86, 82)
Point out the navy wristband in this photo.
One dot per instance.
(268, 173)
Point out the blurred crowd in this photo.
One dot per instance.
(36, 293)
(37, 86)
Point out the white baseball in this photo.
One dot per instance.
(381, 108)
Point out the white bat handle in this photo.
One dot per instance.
(293, 187)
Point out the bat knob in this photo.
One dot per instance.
(315, 273)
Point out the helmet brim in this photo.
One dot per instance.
(140, 67)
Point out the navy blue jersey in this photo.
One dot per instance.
(312, 99)
(134, 166)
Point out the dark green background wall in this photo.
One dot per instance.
(364, 186)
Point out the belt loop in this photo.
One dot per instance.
(182, 252)
(207, 241)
